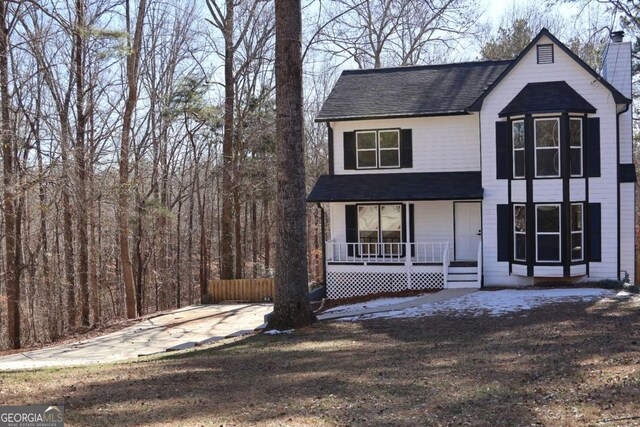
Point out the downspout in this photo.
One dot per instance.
(324, 254)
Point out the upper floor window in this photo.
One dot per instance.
(517, 136)
(575, 141)
(547, 144)
(378, 149)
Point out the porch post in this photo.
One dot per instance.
(407, 247)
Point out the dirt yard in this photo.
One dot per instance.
(571, 364)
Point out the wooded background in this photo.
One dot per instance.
(138, 137)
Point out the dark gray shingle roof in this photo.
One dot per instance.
(397, 186)
(409, 91)
(546, 97)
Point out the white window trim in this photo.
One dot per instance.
(535, 146)
(380, 149)
(571, 147)
(581, 232)
(358, 150)
(550, 233)
(515, 249)
(513, 159)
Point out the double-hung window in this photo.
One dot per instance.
(378, 149)
(575, 142)
(548, 233)
(547, 143)
(519, 233)
(577, 234)
(517, 138)
(366, 148)
(380, 229)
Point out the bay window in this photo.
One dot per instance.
(547, 147)
(577, 233)
(548, 233)
(519, 232)
(575, 142)
(517, 136)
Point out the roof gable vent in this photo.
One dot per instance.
(545, 53)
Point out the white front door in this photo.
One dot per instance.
(467, 230)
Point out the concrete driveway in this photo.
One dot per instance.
(180, 329)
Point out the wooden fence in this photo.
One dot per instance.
(252, 290)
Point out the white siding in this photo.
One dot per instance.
(577, 190)
(440, 144)
(519, 191)
(547, 190)
(338, 229)
(602, 190)
(627, 229)
(434, 222)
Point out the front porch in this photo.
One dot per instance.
(354, 269)
(392, 232)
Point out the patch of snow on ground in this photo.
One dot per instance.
(278, 332)
(494, 303)
(370, 304)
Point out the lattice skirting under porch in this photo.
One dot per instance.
(344, 281)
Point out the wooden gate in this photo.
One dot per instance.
(250, 290)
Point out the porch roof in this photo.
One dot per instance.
(385, 187)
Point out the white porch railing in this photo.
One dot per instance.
(421, 252)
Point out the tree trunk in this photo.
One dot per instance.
(226, 247)
(291, 299)
(133, 62)
(81, 175)
(11, 270)
(254, 239)
(237, 212)
(267, 233)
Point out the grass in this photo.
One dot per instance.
(569, 364)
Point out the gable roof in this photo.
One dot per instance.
(618, 97)
(388, 187)
(547, 97)
(415, 91)
(429, 90)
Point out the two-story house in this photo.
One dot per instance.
(505, 173)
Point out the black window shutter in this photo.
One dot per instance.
(502, 151)
(504, 232)
(404, 227)
(594, 147)
(351, 226)
(349, 150)
(595, 232)
(406, 148)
